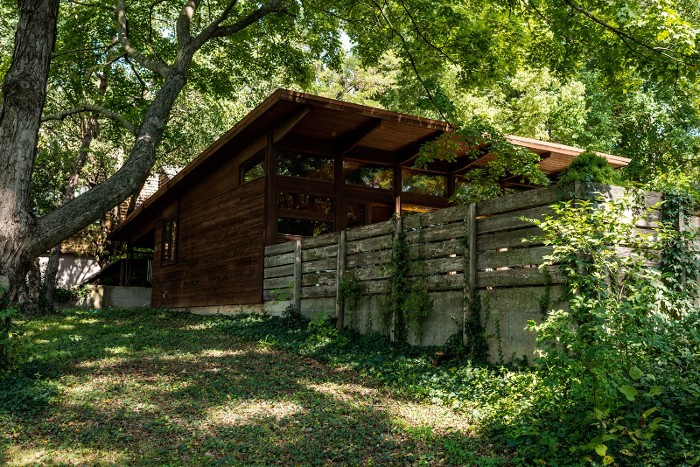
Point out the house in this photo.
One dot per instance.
(298, 165)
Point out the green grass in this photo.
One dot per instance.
(151, 387)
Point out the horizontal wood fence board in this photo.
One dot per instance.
(517, 277)
(524, 200)
(520, 238)
(516, 257)
(279, 271)
(435, 233)
(368, 231)
(278, 282)
(324, 264)
(318, 278)
(590, 190)
(280, 248)
(311, 254)
(318, 291)
(431, 266)
(367, 259)
(369, 244)
(512, 220)
(279, 260)
(368, 273)
(442, 216)
(277, 295)
(437, 249)
(321, 240)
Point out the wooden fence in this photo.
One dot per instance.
(486, 248)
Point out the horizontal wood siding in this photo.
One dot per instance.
(220, 251)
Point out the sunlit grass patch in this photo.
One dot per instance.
(243, 413)
(135, 387)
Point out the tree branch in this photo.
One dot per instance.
(155, 66)
(92, 108)
(207, 33)
(627, 37)
(411, 59)
(273, 6)
(182, 27)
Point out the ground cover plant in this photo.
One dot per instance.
(149, 387)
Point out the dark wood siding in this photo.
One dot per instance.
(220, 248)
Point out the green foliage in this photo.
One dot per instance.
(590, 167)
(621, 363)
(351, 291)
(481, 138)
(407, 304)
(26, 394)
(476, 348)
(8, 334)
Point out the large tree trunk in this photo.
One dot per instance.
(24, 91)
(21, 236)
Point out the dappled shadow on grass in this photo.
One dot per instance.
(174, 389)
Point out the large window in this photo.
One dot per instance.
(293, 164)
(368, 175)
(169, 241)
(424, 183)
(303, 227)
(304, 202)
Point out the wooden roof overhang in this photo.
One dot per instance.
(325, 126)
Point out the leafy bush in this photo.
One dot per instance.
(622, 363)
(590, 167)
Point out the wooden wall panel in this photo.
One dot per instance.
(220, 249)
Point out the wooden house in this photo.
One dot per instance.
(298, 165)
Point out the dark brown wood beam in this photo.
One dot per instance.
(461, 166)
(285, 127)
(409, 153)
(352, 139)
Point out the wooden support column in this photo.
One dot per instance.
(398, 227)
(470, 262)
(297, 277)
(450, 184)
(270, 196)
(338, 194)
(398, 182)
(129, 261)
(340, 276)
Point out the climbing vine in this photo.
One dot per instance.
(475, 345)
(352, 293)
(408, 303)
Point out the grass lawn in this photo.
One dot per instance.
(152, 387)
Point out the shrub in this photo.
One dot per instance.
(590, 167)
(622, 363)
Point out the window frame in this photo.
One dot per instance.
(169, 255)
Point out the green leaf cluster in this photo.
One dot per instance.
(591, 168)
(621, 360)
